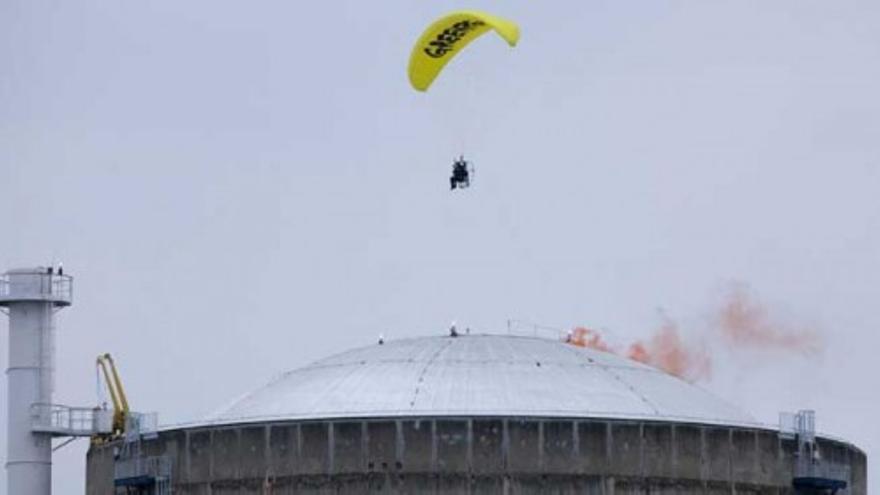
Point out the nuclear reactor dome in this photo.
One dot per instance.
(485, 375)
(476, 414)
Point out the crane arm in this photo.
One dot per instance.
(123, 400)
(102, 364)
(117, 393)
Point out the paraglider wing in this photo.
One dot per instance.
(447, 36)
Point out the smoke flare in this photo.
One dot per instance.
(589, 338)
(666, 350)
(745, 322)
(740, 323)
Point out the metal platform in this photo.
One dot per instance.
(36, 284)
(811, 483)
(64, 421)
(812, 473)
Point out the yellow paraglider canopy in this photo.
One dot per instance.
(447, 36)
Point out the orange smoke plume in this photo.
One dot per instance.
(637, 352)
(667, 351)
(745, 322)
(664, 350)
(589, 338)
(741, 323)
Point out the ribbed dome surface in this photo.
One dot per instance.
(479, 375)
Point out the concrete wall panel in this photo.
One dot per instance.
(348, 442)
(768, 469)
(350, 484)
(626, 449)
(282, 449)
(592, 447)
(314, 485)
(558, 446)
(230, 487)
(479, 455)
(488, 438)
(787, 456)
(658, 450)
(716, 456)
(252, 452)
(381, 454)
(486, 484)
(859, 472)
(743, 456)
(313, 451)
(173, 445)
(194, 489)
(418, 446)
(688, 452)
(718, 488)
(416, 483)
(99, 471)
(560, 484)
(199, 452)
(452, 446)
(523, 452)
(226, 459)
(452, 484)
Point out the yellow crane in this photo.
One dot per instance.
(117, 393)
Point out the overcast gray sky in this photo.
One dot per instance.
(241, 188)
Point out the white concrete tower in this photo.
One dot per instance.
(31, 296)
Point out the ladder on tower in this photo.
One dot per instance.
(812, 473)
(139, 473)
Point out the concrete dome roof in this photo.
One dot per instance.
(479, 375)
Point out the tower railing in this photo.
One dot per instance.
(799, 426)
(141, 425)
(38, 287)
(61, 420)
